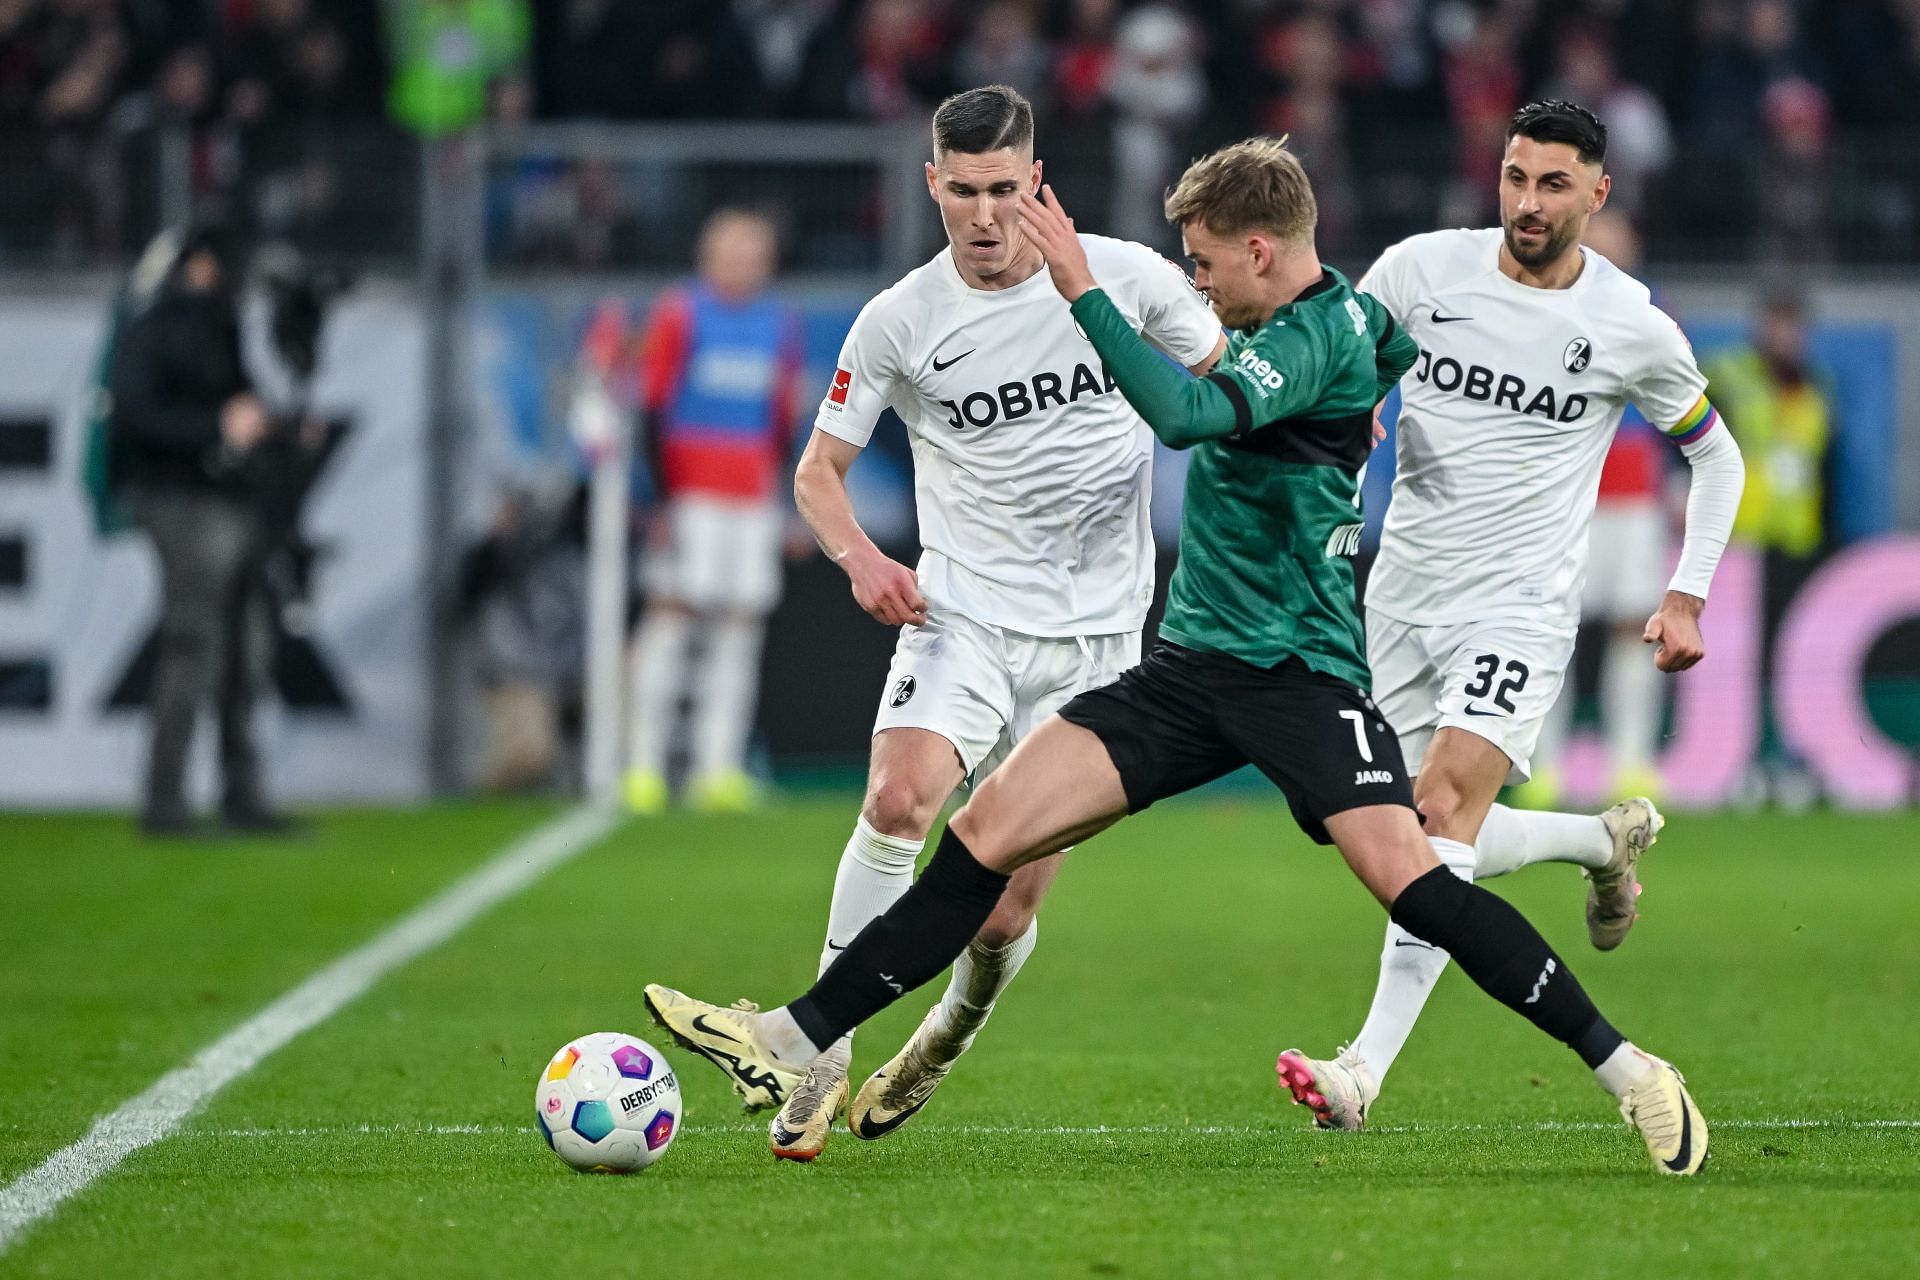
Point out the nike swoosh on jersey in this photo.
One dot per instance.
(1440, 319)
(1475, 711)
(1414, 942)
(939, 364)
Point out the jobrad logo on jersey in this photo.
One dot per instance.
(1503, 390)
(1012, 401)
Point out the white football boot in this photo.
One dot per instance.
(1338, 1092)
(729, 1039)
(895, 1093)
(801, 1130)
(1671, 1125)
(1612, 891)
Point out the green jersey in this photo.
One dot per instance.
(1280, 433)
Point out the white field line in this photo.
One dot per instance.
(157, 1112)
(1164, 1130)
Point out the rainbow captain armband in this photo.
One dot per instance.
(1697, 423)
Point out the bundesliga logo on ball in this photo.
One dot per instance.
(608, 1103)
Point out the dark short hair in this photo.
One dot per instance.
(1557, 120)
(981, 120)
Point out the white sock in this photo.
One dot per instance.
(729, 681)
(1513, 838)
(785, 1040)
(874, 871)
(1630, 702)
(1408, 970)
(979, 976)
(658, 661)
(1624, 1068)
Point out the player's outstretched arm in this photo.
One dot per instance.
(885, 588)
(1713, 497)
(1181, 409)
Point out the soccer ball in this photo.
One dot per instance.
(608, 1103)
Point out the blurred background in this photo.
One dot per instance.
(434, 220)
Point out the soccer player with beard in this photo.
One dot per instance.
(1260, 659)
(1531, 349)
(1031, 479)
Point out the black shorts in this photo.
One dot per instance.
(1183, 718)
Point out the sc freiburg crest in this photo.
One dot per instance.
(1578, 355)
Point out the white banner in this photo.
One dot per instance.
(88, 604)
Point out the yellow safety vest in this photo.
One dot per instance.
(1784, 433)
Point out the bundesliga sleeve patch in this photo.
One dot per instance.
(1697, 423)
(842, 383)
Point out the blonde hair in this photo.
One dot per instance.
(1255, 185)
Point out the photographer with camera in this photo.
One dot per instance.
(188, 432)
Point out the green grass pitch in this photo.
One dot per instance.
(1117, 1118)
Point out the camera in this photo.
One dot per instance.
(299, 294)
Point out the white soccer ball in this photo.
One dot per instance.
(609, 1103)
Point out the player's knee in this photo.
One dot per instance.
(986, 839)
(1441, 805)
(898, 806)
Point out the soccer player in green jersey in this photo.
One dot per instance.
(1261, 659)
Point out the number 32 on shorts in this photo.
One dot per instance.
(1485, 668)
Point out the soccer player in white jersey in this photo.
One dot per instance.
(1031, 480)
(1531, 349)
(1627, 562)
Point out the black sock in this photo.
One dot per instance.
(910, 945)
(1496, 947)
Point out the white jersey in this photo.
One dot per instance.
(1505, 421)
(1031, 471)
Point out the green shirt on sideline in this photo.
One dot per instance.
(1280, 433)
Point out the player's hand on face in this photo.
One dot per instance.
(887, 590)
(1674, 630)
(1051, 230)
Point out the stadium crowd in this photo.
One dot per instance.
(1388, 101)
(97, 96)
(1748, 109)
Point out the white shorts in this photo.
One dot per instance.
(1494, 679)
(720, 555)
(1626, 562)
(984, 688)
